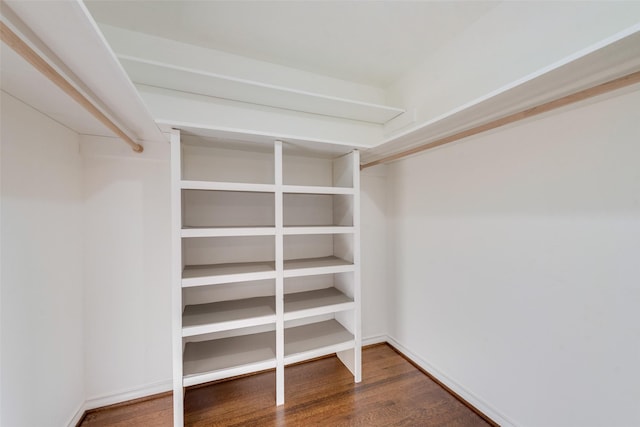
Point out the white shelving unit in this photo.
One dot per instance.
(265, 260)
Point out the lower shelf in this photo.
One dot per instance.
(226, 357)
(315, 340)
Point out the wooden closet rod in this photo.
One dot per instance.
(17, 44)
(600, 89)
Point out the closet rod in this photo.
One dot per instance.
(600, 89)
(39, 63)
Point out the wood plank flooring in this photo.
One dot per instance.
(319, 393)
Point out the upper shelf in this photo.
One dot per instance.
(170, 76)
(66, 37)
(606, 60)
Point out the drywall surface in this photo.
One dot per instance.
(516, 273)
(373, 243)
(42, 296)
(127, 270)
(502, 47)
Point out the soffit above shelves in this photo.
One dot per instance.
(168, 64)
(372, 43)
(202, 82)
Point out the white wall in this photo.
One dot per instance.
(373, 243)
(516, 265)
(127, 270)
(42, 296)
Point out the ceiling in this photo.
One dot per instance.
(368, 42)
(372, 42)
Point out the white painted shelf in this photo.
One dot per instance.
(312, 189)
(233, 319)
(189, 231)
(191, 80)
(212, 360)
(226, 315)
(315, 340)
(314, 303)
(318, 229)
(314, 266)
(213, 274)
(226, 186)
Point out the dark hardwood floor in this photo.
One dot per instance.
(319, 393)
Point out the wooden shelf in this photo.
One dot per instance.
(318, 229)
(225, 315)
(313, 266)
(313, 303)
(226, 357)
(312, 189)
(315, 340)
(188, 231)
(213, 274)
(226, 186)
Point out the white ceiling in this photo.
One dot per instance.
(369, 42)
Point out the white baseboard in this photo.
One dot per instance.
(75, 419)
(478, 403)
(123, 396)
(164, 386)
(374, 340)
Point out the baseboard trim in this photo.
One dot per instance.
(467, 398)
(378, 339)
(128, 395)
(78, 416)
(159, 389)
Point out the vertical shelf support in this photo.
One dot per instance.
(352, 358)
(176, 278)
(356, 260)
(279, 274)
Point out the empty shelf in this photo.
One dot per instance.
(315, 340)
(312, 266)
(212, 360)
(311, 189)
(226, 186)
(224, 315)
(213, 274)
(314, 303)
(189, 231)
(318, 229)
